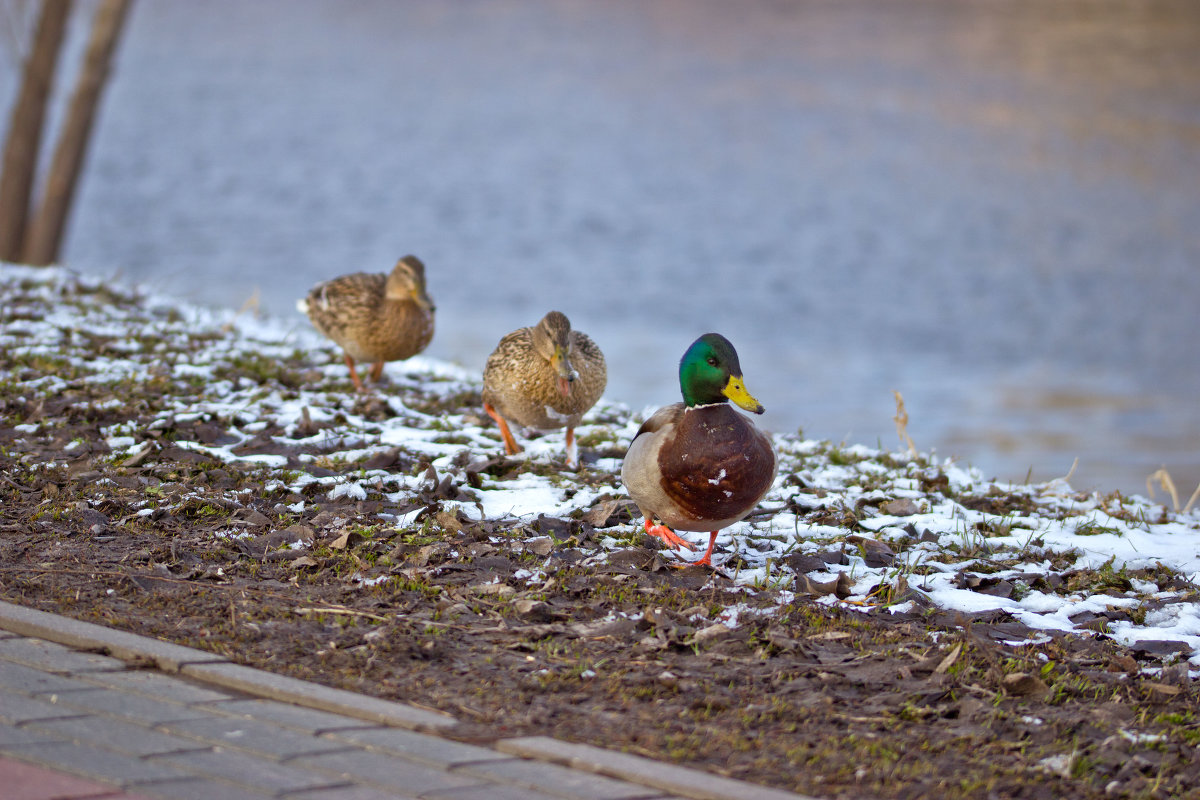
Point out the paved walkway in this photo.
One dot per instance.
(91, 712)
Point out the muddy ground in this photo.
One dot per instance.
(616, 652)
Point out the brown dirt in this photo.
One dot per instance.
(823, 700)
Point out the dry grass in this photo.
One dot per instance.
(1163, 478)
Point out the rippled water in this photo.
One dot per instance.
(992, 207)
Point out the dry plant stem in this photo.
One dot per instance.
(1164, 480)
(1192, 500)
(1074, 464)
(349, 612)
(901, 420)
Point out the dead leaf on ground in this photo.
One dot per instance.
(343, 539)
(949, 660)
(542, 545)
(900, 507)
(1163, 688)
(448, 520)
(597, 516)
(1022, 684)
(501, 590)
(840, 587)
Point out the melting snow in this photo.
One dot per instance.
(943, 551)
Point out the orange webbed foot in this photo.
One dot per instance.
(667, 535)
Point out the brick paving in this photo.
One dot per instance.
(82, 717)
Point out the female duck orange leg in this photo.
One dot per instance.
(510, 444)
(358, 384)
(572, 450)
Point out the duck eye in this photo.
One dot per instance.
(712, 361)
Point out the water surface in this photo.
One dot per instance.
(991, 207)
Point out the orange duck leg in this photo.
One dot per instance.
(674, 541)
(510, 444)
(358, 384)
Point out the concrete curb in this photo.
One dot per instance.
(211, 668)
(636, 769)
(87, 636)
(321, 698)
(208, 668)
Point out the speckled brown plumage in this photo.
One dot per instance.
(543, 377)
(374, 317)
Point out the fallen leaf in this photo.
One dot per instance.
(542, 545)
(1022, 684)
(949, 660)
(493, 589)
(875, 553)
(143, 452)
(448, 520)
(1061, 765)
(900, 507)
(597, 516)
(343, 540)
(1163, 688)
(840, 587)
(710, 633)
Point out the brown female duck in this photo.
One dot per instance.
(544, 377)
(374, 317)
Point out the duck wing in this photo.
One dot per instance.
(661, 419)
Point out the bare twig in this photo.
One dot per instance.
(348, 612)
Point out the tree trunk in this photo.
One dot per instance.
(44, 238)
(25, 127)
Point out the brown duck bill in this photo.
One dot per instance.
(564, 371)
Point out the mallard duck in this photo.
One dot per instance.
(544, 377)
(374, 317)
(699, 465)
